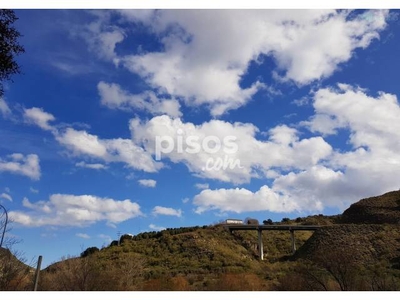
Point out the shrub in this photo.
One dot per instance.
(89, 251)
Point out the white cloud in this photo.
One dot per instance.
(185, 200)
(4, 108)
(82, 164)
(6, 196)
(316, 188)
(167, 211)
(315, 49)
(371, 167)
(207, 53)
(125, 151)
(156, 228)
(242, 200)
(81, 142)
(113, 96)
(202, 186)
(23, 165)
(39, 117)
(110, 150)
(76, 211)
(32, 190)
(373, 121)
(83, 235)
(283, 148)
(147, 182)
(101, 36)
(41, 206)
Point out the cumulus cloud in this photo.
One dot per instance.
(167, 211)
(156, 228)
(75, 211)
(125, 151)
(83, 235)
(82, 164)
(4, 108)
(82, 143)
(121, 150)
(147, 182)
(38, 117)
(370, 167)
(241, 200)
(18, 163)
(309, 190)
(205, 54)
(233, 147)
(113, 96)
(6, 196)
(79, 141)
(373, 121)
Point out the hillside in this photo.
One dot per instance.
(14, 274)
(365, 244)
(375, 210)
(206, 258)
(359, 250)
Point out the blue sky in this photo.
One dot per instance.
(303, 104)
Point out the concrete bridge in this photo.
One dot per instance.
(261, 228)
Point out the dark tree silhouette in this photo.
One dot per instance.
(89, 251)
(9, 46)
(268, 222)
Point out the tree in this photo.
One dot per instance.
(73, 274)
(15, 274)
(250, 221)
(89, 251)
(96, 272)
(9, 46)
(341, 264)
(331, 269)
(268, 222)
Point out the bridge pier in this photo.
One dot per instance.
(260, 244)
(260, 228)
(293, 241)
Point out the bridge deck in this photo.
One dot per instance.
(271, 227)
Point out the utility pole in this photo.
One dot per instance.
(293, 241)
(119, 237)
(39, 263)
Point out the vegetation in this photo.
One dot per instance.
(375, 210)
(9, 46)
(14, 274)
(343, 255)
